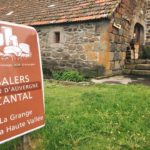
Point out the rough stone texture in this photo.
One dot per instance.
(148, 24)
(92, 47)
(83, 47)
(127, 15)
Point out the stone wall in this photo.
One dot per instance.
(83, 47)
(122, 25)
(148, 24)
(93, 48)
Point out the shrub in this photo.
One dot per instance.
(69, 75)
(57, 75)
(72, 76)
(146, 52)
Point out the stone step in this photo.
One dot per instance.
(138, 66)
(139, 61)
(136, 72)
(130, 66)
(142, 67)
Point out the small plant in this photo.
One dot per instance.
(72, 76)
(146, 52)
(57, 75)
(69, 75)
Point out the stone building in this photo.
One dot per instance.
(90, 36)
(148, 24)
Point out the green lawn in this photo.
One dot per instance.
(96, 117)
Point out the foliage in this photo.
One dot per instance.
(96, 117)
(146, 52)
(57, 75)
(46, 72)
(69, 75)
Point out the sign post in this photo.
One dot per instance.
(26, 145)
(21, 82)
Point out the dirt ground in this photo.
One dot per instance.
(124, 80)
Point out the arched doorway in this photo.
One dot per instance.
(138, 38)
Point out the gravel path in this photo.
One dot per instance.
(124, 80)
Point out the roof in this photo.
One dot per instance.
(41, 12)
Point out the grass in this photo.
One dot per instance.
(96, 117)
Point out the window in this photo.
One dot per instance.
(57, 37)
(97, 29)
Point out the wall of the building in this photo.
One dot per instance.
(148, 24)
(93, 48)
(122, 26)
(83, 46)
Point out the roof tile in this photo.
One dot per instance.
(40, 12)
